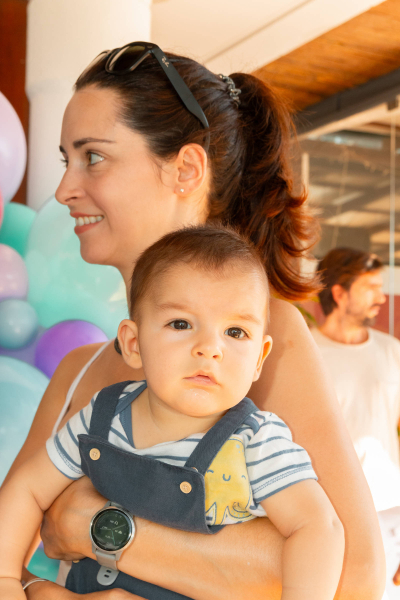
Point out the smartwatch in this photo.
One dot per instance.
(112, 530)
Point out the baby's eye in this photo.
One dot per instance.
(180, 324)
(94, 158)
(236, 333)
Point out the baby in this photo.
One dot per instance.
(183, 448)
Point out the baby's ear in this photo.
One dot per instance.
(129, 343)
(265, 350)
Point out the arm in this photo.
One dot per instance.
(23, 499)
(157, 550)
(50, 591)
(296, 387)
(305, 401)
(313, 551)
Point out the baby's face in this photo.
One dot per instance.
(202, 337)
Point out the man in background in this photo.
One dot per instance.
(365, 366)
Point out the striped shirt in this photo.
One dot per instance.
(271, 460)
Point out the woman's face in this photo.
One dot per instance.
(121, 200)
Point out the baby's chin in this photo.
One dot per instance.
(198, 402)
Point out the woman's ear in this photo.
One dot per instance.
(129, 343)
(265, 350)
(191, 169)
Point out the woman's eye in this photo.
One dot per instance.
(94, 158)
(236, 333)
(180, 324)
(64, 162)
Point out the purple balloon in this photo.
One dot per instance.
(13, 274)
(12, 150)
(60, 339)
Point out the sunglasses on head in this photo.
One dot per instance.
(121, 61)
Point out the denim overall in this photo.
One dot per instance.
(148, 488)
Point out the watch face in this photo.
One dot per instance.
(111, 530)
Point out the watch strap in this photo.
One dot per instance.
(107, 576)
(106, 559)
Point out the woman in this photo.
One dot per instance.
(143, 158)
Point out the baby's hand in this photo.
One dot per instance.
(11, 589)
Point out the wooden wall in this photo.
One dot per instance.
(12, 65)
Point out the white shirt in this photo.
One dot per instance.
(367, 382)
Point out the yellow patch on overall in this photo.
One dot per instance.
(228, 492)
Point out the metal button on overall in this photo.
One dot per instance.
(186, 488)
(94, 454)
(149, 488)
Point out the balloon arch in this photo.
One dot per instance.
(51, 301)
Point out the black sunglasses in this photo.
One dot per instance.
(121, 61)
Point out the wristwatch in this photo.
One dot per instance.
(112, 530)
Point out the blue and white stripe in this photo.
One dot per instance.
(273, 460)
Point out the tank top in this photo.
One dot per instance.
(65, 565)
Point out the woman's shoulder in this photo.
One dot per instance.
(75, 361)
(286, 322)
(279, 307)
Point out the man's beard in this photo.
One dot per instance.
(368, 321)
(360, 318)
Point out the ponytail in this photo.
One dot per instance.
(264, 207)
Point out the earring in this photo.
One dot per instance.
(181, 190)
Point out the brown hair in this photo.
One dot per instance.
(205, 247)
(342, 266)
(250, 184)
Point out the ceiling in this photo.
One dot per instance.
(361, 49)
(230, 36)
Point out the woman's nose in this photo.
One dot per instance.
(68, 189)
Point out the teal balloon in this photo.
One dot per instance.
(18, 323)
(21, 389)
(62, 286)
(43, 566)
(17, 223)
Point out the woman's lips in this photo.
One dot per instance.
(82, 228)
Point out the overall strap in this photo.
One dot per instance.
(205, 451)
(104, 409)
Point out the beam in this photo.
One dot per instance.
(345, 104)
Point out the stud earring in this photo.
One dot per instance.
(181, 190)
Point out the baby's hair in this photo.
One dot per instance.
(210, 248)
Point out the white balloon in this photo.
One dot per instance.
(12, 150)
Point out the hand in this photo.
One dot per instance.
(65, 528)
(50, 591)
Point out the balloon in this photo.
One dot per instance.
(12, 150)
(62, 286)
(17, 223)
(1, 209)
(13, 274)
(18, 323)
(56, 342)
(42, 566)
(21, 388)
(27, 353)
